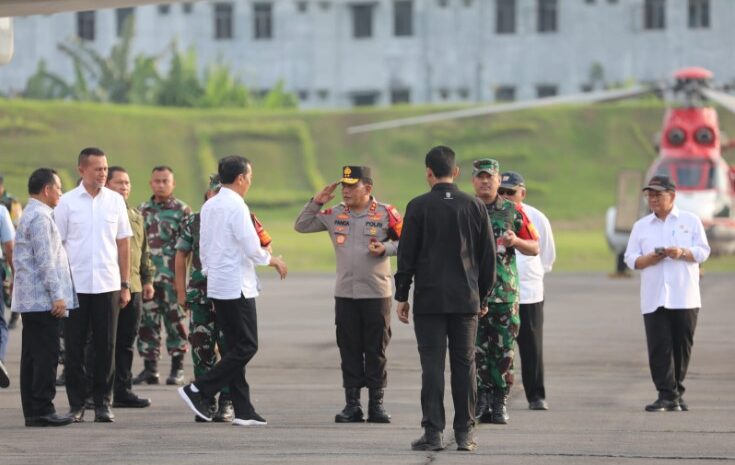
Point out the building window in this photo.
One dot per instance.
(467, 3)
(444, 93)
(323, 94)
(362, 20)
(463, 93)
(187, 7)
(505, 16)
(325, 5)
(86, 25)
(365, 99)
(302, 7)
(546, 90)
(403, 18)
(303, 95)
(442, 3)
(654, 14)
(223, 21)
(699, 14)
(399, 96)
(505, 94)
(164, 9)
(121, 16)
(590, 2)
(263, 20)
(547, 11)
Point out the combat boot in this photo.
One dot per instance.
(483, 413)
(499, 414)
(226, 411)
(352, 413)
(176, 378)
(376, 411)
(149, 375)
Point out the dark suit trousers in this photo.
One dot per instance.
(433, 331)
(127, 330)
(39, 358)
(531, 348)
(670, 336)
(363, 333)
(239, 323)
(98, 313)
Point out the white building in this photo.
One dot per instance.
(340, 53)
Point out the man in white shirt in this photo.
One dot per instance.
(531, 270)
(94, 227)
(229, 249)
(667, 246)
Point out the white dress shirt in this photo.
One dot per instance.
(673, 284)
(229, 247)
(531, 269)
(89, 227)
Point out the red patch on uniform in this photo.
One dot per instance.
(340, 238)
(328, 211)
(343, 216)
(395, 222)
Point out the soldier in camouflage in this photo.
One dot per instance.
(164, 217)
(497, 331)
(14, 209)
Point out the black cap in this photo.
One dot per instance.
(511, 180)
(355, 174)
(660, 183)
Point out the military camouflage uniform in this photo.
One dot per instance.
(203, 333)
(163, 223)
(14, 210)
(497, 331)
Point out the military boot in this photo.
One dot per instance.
(482, 408)
(352, 413)
(499, 414)
(176, 378)
(376, 411)
(149, 375)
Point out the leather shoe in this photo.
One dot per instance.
(103, 414)
(430, 440)
(130, 400)
(76, 414)
(663, 405)
(465, 440)
(51, 419)
(538, 404)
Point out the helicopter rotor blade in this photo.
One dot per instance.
(726, 100)
(592, 97)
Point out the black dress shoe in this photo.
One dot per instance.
(130, 400)
(538, 404)
(76, 414)
(663, 405)
(103, 414)
(4, 377)
(430, 440)
(51, 419)
(465, 440)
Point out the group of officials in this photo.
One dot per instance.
(476, 263)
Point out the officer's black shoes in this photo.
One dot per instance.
(225, 413)
(103, 414)
(483, 414)
(250, 420)
(176, 378)
(76, 414)
(465, 440)
(376, 411)
(130, 400)
(352, 413)
(61, 379)
(538, 404)
(149, 375)
(210, 409)
(683, 405)
(4, 377)
(499, 414)
(430, 440)
(663, 405)
(51, 419)
(194, 401)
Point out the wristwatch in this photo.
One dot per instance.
(125, 284)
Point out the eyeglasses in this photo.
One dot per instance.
(503, 191)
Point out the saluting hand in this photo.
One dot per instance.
(326, 194)
(403, 309)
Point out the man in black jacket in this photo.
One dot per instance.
(448, 246)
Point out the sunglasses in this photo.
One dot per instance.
(503, 191)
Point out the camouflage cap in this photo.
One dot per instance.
(214, 182)
(485, 165)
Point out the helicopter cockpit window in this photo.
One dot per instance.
(689, 174)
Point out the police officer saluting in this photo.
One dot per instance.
(364, 234)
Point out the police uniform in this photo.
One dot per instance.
(362, 291)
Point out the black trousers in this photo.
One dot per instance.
(127, 329)
(98, 313)
(39, 358)
(531, 348)
(432, 334)
(363, 333)
(239, 323)
(670, 336)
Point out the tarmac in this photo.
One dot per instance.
(597, 383)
